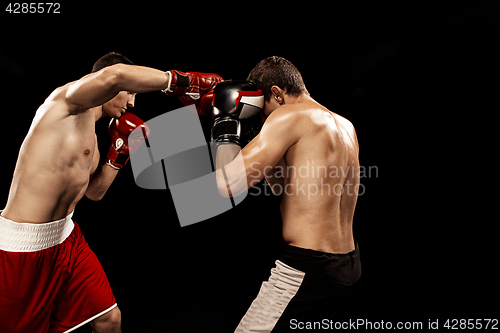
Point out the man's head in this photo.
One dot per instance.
(116, 106)
(109, 59)
(277, 77)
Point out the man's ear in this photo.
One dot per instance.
(278, 94)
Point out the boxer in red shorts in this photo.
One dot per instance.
(50, 280)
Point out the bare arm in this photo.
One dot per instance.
(260, 156)
(97, 88)
(100, 182)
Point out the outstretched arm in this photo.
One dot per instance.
(97, 88)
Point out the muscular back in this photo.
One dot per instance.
(318, 177)
(55, 161)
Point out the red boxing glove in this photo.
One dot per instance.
(122, 141)
(194, 88)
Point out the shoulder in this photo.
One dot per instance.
(305, 116)
(285, 114)
(58, 93)
(308, 116)
(347, 127)
(306, 113)
(284, 121)
(59, 96)
(297, 118)
(343, 121)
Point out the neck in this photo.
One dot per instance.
(289, 99)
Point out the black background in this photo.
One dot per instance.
(419, 83)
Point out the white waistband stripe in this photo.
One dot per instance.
(30, 237)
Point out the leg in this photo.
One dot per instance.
(110, 322)
(86, 293)
(272, 300)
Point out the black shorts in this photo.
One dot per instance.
(305, 286)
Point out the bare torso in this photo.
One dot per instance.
(319, 178)
(54, 165)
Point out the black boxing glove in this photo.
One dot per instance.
(232, 102)
(250, 128)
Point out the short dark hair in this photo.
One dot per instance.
(109, 59)
(280, 72)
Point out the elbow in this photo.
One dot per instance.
(224, 190)
(94, 196)
(229, 190)
(228, 186)
(222, 186)
(225, 193)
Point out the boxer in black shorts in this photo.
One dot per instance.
(309, 155)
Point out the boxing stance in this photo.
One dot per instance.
(295, 151)
(50, 279)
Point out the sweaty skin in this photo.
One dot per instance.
(57, 162)
(310, 156)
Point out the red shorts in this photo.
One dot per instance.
(50, 280)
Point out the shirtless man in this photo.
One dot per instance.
(300, 146)
(51, 281)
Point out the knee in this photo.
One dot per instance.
(115, 318)
(109, 322)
